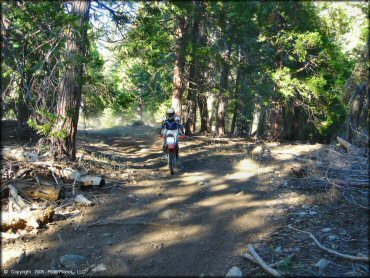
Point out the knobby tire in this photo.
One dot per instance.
(171, 161)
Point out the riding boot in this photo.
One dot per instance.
(163, 157)
(177, 152)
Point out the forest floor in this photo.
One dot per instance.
(197, 222)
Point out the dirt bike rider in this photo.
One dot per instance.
(171, 122)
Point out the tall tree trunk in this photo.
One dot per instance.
(23, 113)
(203, 110)
(256, 116)
(69, 99)
(139, 110)
(223, 89)
(212, 107)
(275, 112)
(5, 30)
(194, 75)
(191, 102)
(236, 95)
(357, 106)
(179, 67)
(235, 105)
(275, 101)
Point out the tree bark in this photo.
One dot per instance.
(275, 101)
(179, 67)
(223, 89)
(236, 95)
(275, 124)
(256, 115)
(357, 105)
(212, 107)
(69, 99)
(23, 114)
(191, 102)
(203, 109)
(139, 110)
(5, 32)
(194, 75)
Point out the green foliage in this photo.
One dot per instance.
(46, 122)
(292, 52)
(32, 54)
(95, 89)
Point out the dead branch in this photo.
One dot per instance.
(18, 200)
(345, 171)
(21, 173)
(55, 178)
(248, 256)
(251, 258)
(349, 147)
(258, 260)
(345, 256)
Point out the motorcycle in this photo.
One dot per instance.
(172, 148)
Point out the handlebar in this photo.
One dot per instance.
(179, 137)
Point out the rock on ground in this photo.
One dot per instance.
(73, 261)
(234, 272)
(99, 268)
(322, 264)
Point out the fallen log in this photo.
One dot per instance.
(91, 180)
(346, 184)
(348, 146)
(18, 200)
(81, 199)
(73, 175)
(9, 236)
(21, 173)
(19, 155)
(70, 174)
(359, 184)
(13, 224)
(26, 218)
(43, 191)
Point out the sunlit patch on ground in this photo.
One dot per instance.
(219, 200)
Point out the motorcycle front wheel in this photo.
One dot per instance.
(171, 161)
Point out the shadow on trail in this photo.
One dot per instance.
(186, 224)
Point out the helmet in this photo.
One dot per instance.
(170, 114)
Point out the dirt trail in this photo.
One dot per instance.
(147, 222)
